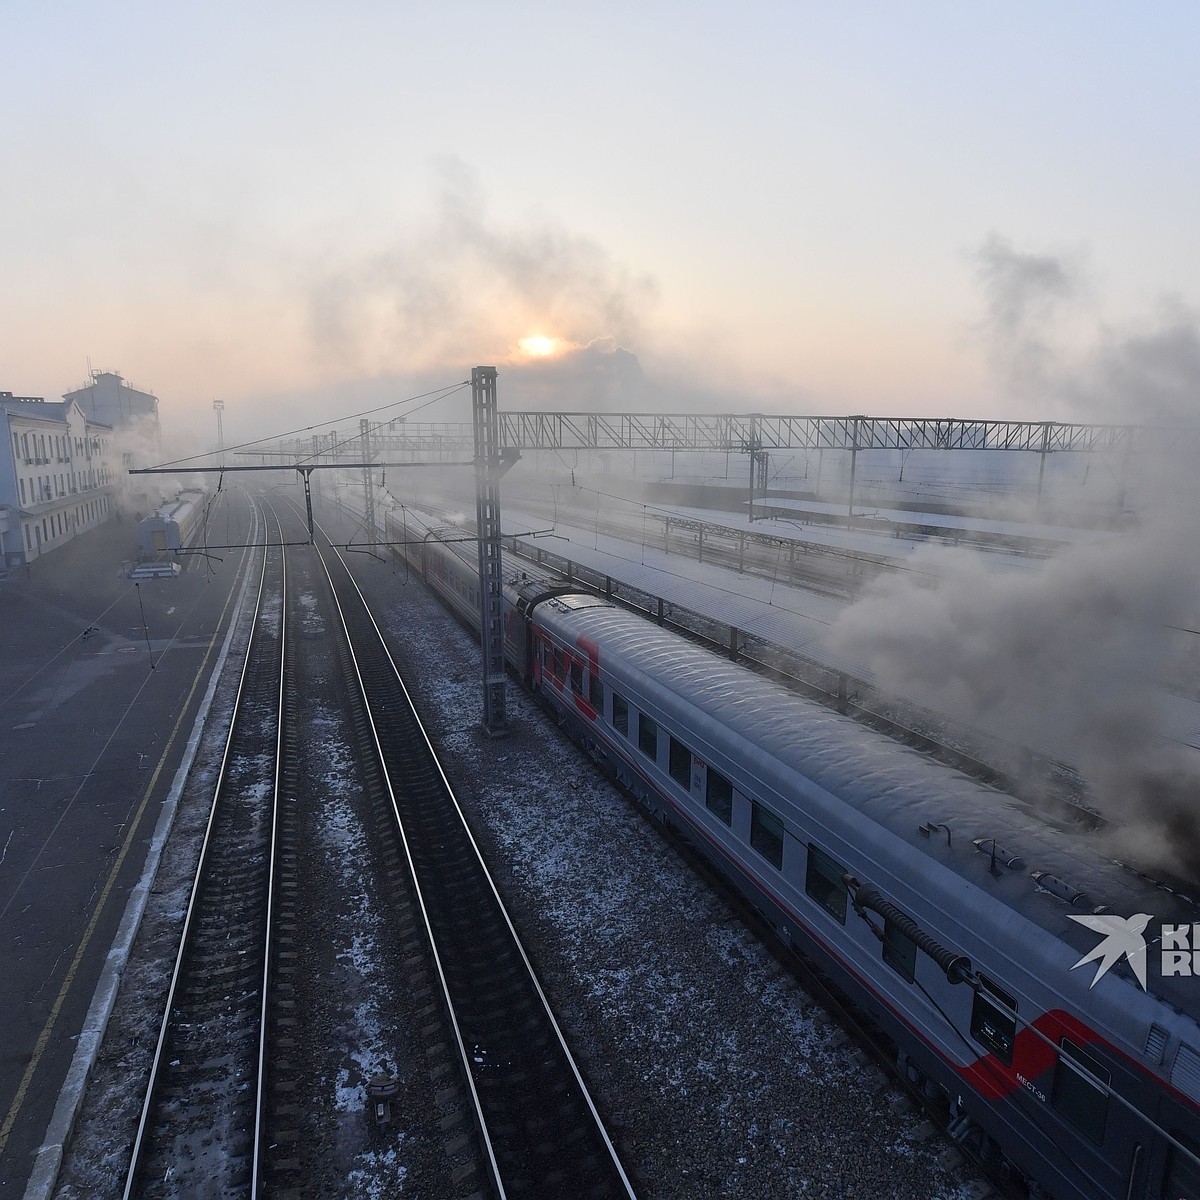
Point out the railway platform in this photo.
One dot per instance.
(101, 681)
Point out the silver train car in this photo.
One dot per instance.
(941, 907)
(170, 525)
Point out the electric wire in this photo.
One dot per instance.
(437, 394)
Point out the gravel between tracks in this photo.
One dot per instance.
(719, 1075)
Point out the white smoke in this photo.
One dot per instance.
(1076, 656)
(464, 282)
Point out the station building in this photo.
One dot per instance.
(58, 475)
(110, 401)
(133, 417)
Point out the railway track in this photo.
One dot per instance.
(198, 1128)
(538, 1130)
(250, 1075)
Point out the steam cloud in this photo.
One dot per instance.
(1023, 293)
(1076, 656)
(434, 295)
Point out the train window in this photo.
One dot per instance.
(1077, 1096)
(823, 882)
(1182, 1178)
(766, 835)
(620, 717)
(992, 1021)
(899, 951)
(595, 690)
(648, 736)
(718, 796)
(577, 676)
(679, 763)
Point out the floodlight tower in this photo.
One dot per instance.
(219, 408)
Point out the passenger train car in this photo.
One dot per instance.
(169, 526)
(942, 907)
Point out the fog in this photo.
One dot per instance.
(1075, 654)
(1079, 656)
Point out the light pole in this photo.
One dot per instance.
(219, 408)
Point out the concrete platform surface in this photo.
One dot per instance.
(100, 682)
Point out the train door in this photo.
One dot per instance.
(1169, 1171)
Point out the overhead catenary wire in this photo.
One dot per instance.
(441, 393)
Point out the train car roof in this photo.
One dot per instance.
(895, 786)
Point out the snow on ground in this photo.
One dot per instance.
(722, 1076)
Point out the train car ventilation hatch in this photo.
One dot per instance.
(999, 855)
(1075, 897)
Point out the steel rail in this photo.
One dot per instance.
(493, 1166)
(273, 843)
(463, 1050)
(155, 1078)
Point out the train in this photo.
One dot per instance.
(1043, 994)
(170, 525)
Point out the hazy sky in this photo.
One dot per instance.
(923, 208)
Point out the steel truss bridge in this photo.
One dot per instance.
(646, 431)
(519, 431)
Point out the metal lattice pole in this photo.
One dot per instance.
(487, 515)
(219, 408)
(364, 427)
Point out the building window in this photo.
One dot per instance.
(766, 835)
(1079, 1097)
(620, 717)
(679, 764)
(648, 736)
(993, 1020)
(718, 795)
(22, 491)
(823, 882)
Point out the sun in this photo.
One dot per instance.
(539, 346)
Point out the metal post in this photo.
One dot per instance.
(759, 470)
(1123, 479)
(1042, 467)
(307, 471)
(853, 462)
(364, 429)
(487, 513)
(219, 408)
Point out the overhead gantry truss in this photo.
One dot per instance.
(742, 433)
(658, 431)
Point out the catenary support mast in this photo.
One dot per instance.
(487, 511)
